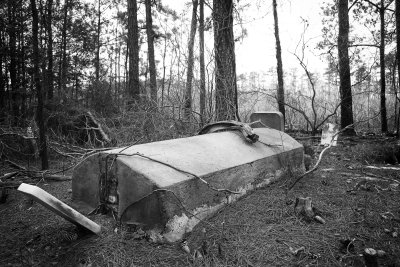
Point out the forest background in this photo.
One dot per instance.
(112, 73)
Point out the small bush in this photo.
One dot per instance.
(384, 153)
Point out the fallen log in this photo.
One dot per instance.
(8, 175)
(99, 128)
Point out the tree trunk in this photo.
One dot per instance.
(226, 106)
(164, 70)
(98, 45)
(382, 63)
(150, 53)
(133, 43)
(50, 88)
(189, 79)
(22, 64)
(398, 56)
(39, 111)
(13, 61)
(2, 75)
(202, 65)
(344, 68)
(279, 68)
(63, 55)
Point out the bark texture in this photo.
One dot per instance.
(189, 79)
(39, 111)
(397, 13)
(15, 95)
(346, 117)
(50, 87)
(279, 68)
(150, 53)
(133, 48)
(384, 126)
(226, 107)
(202, 64)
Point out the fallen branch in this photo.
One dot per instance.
(313, 168)
(320, 157)
(381, 177)
(15, 165)
(382, 168)
(25, 176)
(99, 128)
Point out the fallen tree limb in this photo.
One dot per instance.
(380, 177)
(382, 168)
(312, 169)
(319, 157)
(15, 165)
(99, 128)
(30, 176)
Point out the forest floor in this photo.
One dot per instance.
(361, 206)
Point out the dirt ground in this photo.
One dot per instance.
(360, 205)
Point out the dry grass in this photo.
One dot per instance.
(255, 231)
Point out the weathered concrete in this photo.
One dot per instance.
(160, 193)
(272, 119)
(59, 207)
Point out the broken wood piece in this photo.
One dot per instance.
(296, 252)
(185, 246)
(319, 219)
(370, 257)
(58, 207)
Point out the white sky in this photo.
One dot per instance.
(256, 52)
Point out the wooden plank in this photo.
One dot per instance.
(60, 208)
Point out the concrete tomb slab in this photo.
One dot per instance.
(167, 187)
(272, 119)
(58, 207)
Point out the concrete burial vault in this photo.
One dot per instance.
(167, 187)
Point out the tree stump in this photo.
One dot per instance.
(370, 257)
(303, 207)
